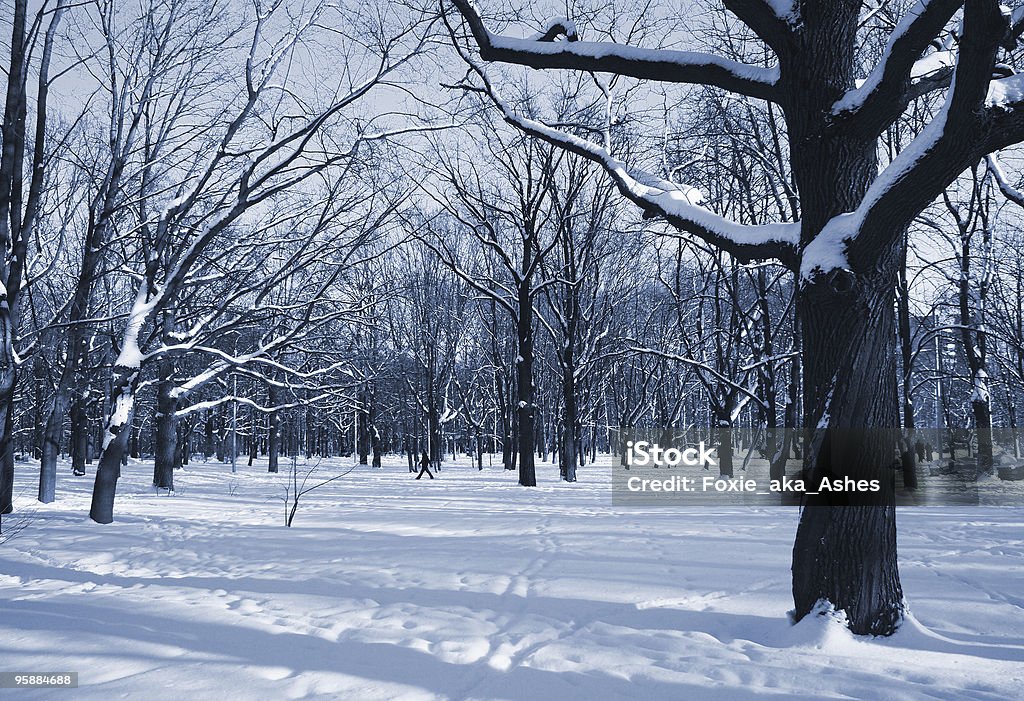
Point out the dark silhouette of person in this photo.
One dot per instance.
(425, 467)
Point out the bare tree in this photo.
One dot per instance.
(846, 246)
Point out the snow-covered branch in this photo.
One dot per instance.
(679, 205)
(872, 105)
(650, 64)
(771, 20)
(979, 116)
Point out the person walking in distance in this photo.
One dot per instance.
(425, 467)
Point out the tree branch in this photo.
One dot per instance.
(765, 20)
(662, 65)
(660, 198)
(976, 119)
(872, 106)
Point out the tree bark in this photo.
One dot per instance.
(845, 549)
(723, 438)
(569, 453)
(274, 429)
(165, 458)
(80, 434)
(11, 234)
(115, 443)
(908, 456)
(526, 409)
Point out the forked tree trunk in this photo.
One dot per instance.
(845, 549)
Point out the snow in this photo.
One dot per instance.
(564, 24)
(828, 249)
(1005, 93)
(784, 9)
(933, 63)
(924, 67)
(131, 355)
(471, 587)
(602, 49)
(674, 200)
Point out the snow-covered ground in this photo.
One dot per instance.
(470, 587)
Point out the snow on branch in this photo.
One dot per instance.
(1002, 182)
(664, 65)
(979, 116)
(884, 93)
(557, 27)
(679, 205)
(772, 20)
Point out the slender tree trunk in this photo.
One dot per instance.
(568, 455)
(80, 434)
(53, 432)
(375, 444)
(908, 455)
(115, 444)
(975, 345)
(526, 409)
(185, 441)
(723, 437)
(434, 432)
(274, 429)
(166, 428)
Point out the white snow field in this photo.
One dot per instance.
(471, 587)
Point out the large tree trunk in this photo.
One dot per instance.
(845, 549)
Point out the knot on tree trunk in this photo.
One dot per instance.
(841, 281)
